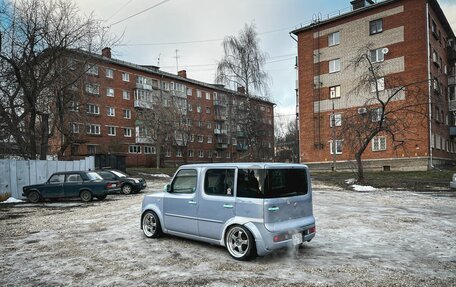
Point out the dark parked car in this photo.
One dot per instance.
(128, 184)
(83, 184)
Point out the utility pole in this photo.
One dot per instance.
(177, 61)
(334, 147)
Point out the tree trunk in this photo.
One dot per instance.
(44, 136)
(359, 163)
(32, 135)
(158, 152)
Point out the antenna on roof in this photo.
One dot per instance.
(158, 60)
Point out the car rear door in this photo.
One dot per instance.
(180, 203)
(217, 203)
(72, 185)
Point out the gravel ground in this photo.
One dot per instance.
(377, 238)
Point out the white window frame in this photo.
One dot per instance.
(376, 55)
(125, 77)
(337, 119)
(127, 114)
(127, 132)
(93, 129)
(379, 143)
(339, 144)
(201, 153)
(109, 73)
(92, 69)
(198, 109)
(134, 149)
(112, 131)
(334, 65)
(178, 152)
(334, 39)
(149, 149)
(111, 112)
(74, 127)
(208, 96)
(334, 92)
(93, 109)
(93, 89)
(209, 139)
(125, 95)
(376, 115)
(198, 94)
(380, 85)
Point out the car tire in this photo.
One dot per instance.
(240, 243)
(151, 225)
(33, 196)
(127, 188)
(101, 197)
(86, 196)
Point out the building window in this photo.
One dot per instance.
(149, 150)
(189, 91)
(190, 107)
(335, 120)
(376, 55)
(375, 26)
(178, 153)
(73, 106)
(190, 153)
(192, 138)
(111, 131)
(126, 77)
(110, 92)
(334, 39)
(127, 114)
(198, 93)
(165, 86)
(91, 149)
(92, 69)
(93, 129)
(209, 125)
(109, 73)
(334, 92)
(125, 95)
(209, 154)
(452, 93)
(228, 154)
(233, 141)
(208, 96)
(209, 139)
(201, 153)
(208, 110)
(334, 65)
(380, 85)
(74, 128)
(338, 147)
(93, 89)
(200, 139)
(376, 115)
(93, 109)
(168, 153)
(127, 132)
(134, 149)
(379, 143)
(111, 112)
(198, 109)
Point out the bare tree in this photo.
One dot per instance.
(37, 37)
(242, 68)
(286, 141)
(389, 106)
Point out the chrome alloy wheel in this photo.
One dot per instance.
(149, 224)
(238, 242)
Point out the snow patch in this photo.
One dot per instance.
(12, 200)
(155, 174)
(350, 181)
(357, 187)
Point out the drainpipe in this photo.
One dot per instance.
(431, 165)
(297, 99)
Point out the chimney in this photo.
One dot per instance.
(358, 4)
(106, 52)
(241, 90)
(182, 73)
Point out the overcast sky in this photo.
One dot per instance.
(196, 28)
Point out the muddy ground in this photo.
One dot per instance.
(377, 238)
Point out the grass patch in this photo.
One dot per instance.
(414, 180)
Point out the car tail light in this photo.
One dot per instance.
(281, 237)
(312, 230)
(109, 185)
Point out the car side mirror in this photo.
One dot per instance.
(167, 188)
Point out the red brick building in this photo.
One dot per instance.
(105, 119)
(414, 42)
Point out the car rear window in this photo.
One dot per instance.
(271, 183)
(94, 176)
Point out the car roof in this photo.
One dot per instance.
(74, 171)
(247, 165)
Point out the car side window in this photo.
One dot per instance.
(249, 183)
(219, 182)
(74, 178)
(184, 181)
(57, 178)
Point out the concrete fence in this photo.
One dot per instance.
(15, 174)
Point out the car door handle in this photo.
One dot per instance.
(192, 202)
(228, 206)
(274, 208)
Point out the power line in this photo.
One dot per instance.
(120, 9)
(140, 12)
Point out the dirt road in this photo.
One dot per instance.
(378, 238)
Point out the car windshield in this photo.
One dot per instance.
(93, 176)
(271, 183)
(118, 173)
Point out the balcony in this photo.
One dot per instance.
(140, 104)
(220, 103)
(241, 134)
(220, 116)
(179, 94)
(144, 86)
(452, 131)
(144, 140)
(220, 131)
(451, 54)
(242, 147)
(221, 146)
(452, 106)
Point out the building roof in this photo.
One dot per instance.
(155, 70)
(434, 4)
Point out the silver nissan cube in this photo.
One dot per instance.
(250, 208)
